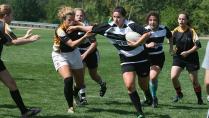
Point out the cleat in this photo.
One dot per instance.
(178, 97)
(208, 98)
(140, 115)
(31, 112)
(83, 102)
(103, 89)
(200, 102)
(76, 100)
(71, 110)
(155, 102)
(147, 102)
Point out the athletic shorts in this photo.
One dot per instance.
(205, 63)
(92, 60)
(191, 62)
(73, 59)
(2, 66)
(142, 69)
(157, 59)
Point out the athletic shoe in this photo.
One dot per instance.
(178, 97)
(31, 112)
(103, 89)
(200, 101)
(147, 102)
(140, 115)
(83, 102)
(155, 102)
(208, 98)
(71, 110)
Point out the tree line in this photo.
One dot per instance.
(99, 11)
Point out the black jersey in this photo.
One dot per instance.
(184, 39)
(87, 42)
(6, 35)
(61, 37)
(158, 37)
(116, 36)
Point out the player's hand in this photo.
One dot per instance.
(34, 37)
(131, 43)
(184, 54)
(71, 29)
(28, 33)
(88, 34)
(151, 45)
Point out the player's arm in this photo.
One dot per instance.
(169, 35)
(13, 40)
(78, 27)
(90, 49)
(196, 46)
(141, 40)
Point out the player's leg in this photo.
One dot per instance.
(15, 94)
(153, 84)
(196, 85)
(175, 73)
(129, 81)
(66, 73)
(207, 82)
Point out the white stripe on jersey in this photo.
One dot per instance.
(134, 62)
(131, 53)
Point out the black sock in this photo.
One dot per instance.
(68, 90)
(75, 91)
(148, 95)
(18, 100)
(198, 92)
(136, 101)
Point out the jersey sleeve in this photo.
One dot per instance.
(6, 33)
(62, 35)
(168, 33)
(196, 38)
(137, 28)
(100, 29)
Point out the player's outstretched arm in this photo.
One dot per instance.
(22, 41)
(140, 41)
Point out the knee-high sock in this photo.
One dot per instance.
(18, 100)
(198, 92)
(153, 85)
(68, 90)
(136, 101)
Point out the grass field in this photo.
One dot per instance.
(40, 86)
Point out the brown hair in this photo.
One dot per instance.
(155, 14)
(5, 10)
(64, 11)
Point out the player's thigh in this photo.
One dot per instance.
(65, 71)
(207, 76)
(175, 72)
(7, 80)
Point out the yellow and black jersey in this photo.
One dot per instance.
(6, 35)
(185, 39)
(61, 37)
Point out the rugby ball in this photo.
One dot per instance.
(132, 36)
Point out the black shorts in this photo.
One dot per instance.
(2, 66)
(92, 60)
(157, 59)
(142, 69)
(191, 62)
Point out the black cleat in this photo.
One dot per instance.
(178, 97)
(31, 112)
(103, 89)
(147, 102)
(200, 101)
(140, 115)
(155, 102)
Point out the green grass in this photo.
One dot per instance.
(31, 66)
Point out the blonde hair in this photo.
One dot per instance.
(80, 9)
(64, 11)
(5, 10)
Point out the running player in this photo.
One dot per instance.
(134, 60)
(154, 46)
(7, 37)
(66, 56)
(89, 53)
(187, 44)
(205, 65)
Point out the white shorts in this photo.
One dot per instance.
(205, 63)
(73, 59)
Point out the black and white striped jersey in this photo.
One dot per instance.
(158, 37)
(87, 42)
(116, 36)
